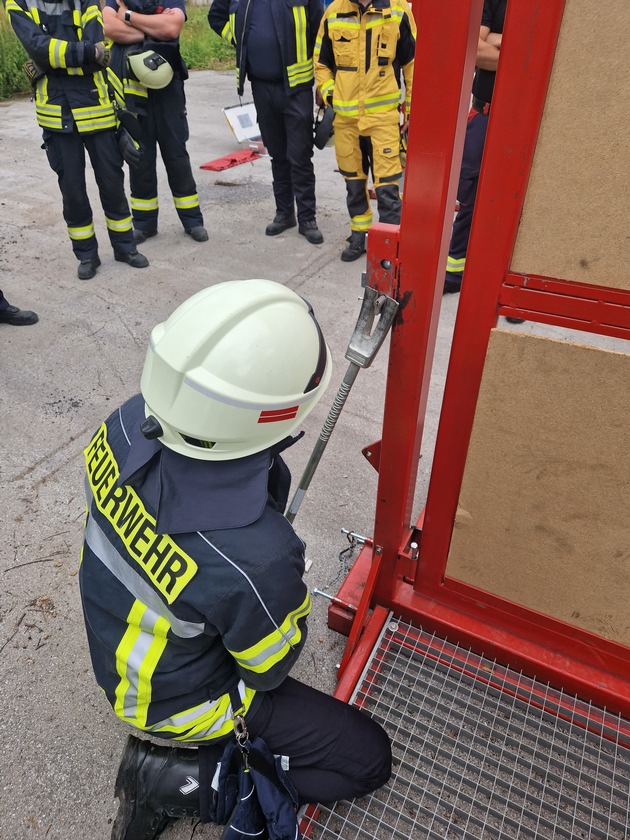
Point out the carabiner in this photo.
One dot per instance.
(240, 730)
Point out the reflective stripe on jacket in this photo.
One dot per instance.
(59, 37)
(175, 622)
(360, 53)
(296, 23)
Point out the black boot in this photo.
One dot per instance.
(280, 224)
(356, 247)
(155, 785)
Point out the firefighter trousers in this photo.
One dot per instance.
(164, 124)
(335, 750)
(361, 149)
(286, 128)
(66, 156)
(474, 142)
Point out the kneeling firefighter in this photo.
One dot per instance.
(191, 577)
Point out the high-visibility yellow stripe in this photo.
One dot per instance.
(455, 266)
(135, 89)
(300, 73)
(119, 225)
(144, 204)
(343, 23)
(91, 13)
(147, 669)
(361, 223)
(328, 87)
(207, 721)
(81, 233)
(101, 86)
(123, 651)
(57, 53)
(186, 202)
(99, 124)
(265, 654)
(299, 20)
(145, 638)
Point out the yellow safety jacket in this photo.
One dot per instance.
(360, 53)
(60, 37)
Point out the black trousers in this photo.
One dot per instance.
(335, 750)
(165, 124)
(66, 156)
(474, 142)
(286, 127)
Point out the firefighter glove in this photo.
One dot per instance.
(33, 71)
(101, 54)
(129, 149)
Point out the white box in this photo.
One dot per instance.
(243, 121)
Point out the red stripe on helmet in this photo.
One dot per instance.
(278, 414)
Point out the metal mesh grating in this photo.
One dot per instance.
(481, 752)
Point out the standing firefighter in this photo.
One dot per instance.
(361, 48)
(274, 43)
(64, 39)
(147, 74)
(191, 577)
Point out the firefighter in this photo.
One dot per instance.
(191, 576)
(274, 43)
(64, 40)
(362, 47)
(148, 32)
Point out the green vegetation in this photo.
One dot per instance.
(13, 79)
(201, 47)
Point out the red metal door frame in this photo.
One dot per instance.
(568, 657)
(406, 266)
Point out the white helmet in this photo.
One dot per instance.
(150, 68)
(236, 368)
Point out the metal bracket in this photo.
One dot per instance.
(365, 343)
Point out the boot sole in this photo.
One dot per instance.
(125, 781)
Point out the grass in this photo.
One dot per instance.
(13, 79)
(201, 47)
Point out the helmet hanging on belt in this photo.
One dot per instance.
(323, 128)
(150, 69)
(235, 369)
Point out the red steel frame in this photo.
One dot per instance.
(408, 263)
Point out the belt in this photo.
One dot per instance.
(480, 106)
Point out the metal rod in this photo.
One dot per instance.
(363, 346)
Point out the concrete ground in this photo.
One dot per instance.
(61, 741)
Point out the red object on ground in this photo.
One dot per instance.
(233, 159)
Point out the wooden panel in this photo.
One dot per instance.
(575, 221)
(544, 511)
